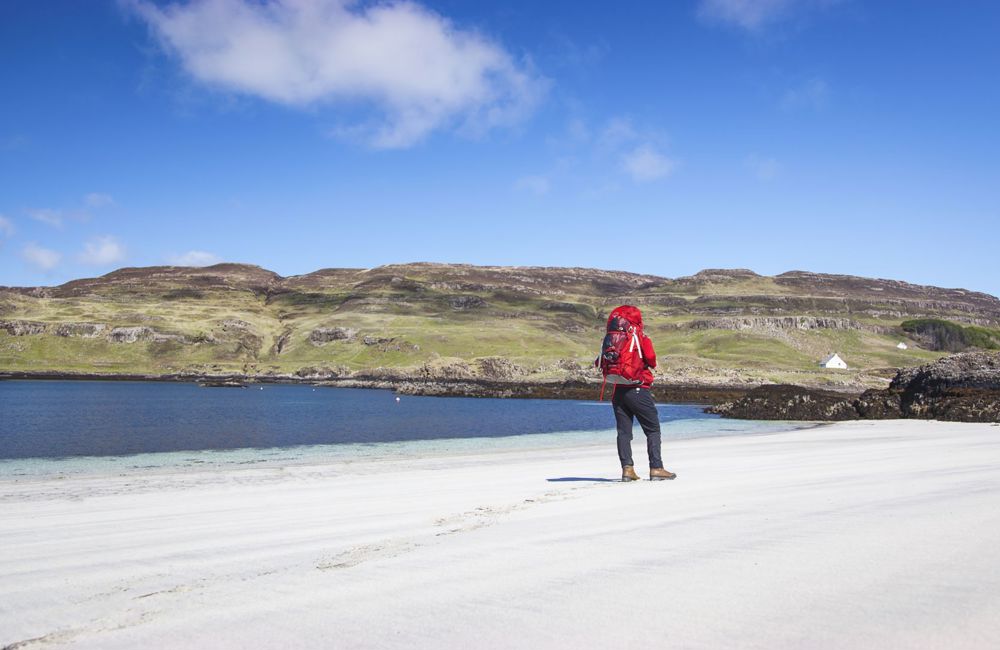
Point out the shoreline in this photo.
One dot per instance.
(183, 461)
(688, 393)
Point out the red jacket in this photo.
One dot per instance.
(634, 316)
(649, 356)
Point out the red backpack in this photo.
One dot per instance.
(621, 359)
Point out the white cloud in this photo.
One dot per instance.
(49, 217)
(534, 184)
(762, 167)
(98, 200)
(645, 164)
(6, 226)
(41, 258)
(577, 130)
(415, 66)
(617, 132)
(813, 93)
(194, 258)
(102, 251)
(748, 14)
(753, 15)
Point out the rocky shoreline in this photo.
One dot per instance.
(960, 388)
(572, 389)
(963, 388)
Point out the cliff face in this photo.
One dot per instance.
(718, 326)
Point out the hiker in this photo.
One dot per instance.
(626, 359)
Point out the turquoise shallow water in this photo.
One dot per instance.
(72, 428)
(305, 454)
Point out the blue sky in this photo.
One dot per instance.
(661, 137)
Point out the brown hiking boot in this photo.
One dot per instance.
(628, 474)
(660, 474)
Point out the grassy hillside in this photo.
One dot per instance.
(432, 319)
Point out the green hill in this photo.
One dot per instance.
(439, 320)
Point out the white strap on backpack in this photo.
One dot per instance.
(635, 344)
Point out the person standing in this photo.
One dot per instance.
(627, 359)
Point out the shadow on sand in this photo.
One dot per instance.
(565, 479)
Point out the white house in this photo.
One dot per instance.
(833, 361)
(902, 346)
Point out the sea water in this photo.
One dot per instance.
(84, 426)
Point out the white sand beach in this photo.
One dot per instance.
(854, 535)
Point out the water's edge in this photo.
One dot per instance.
(75, 428)
(677, 393)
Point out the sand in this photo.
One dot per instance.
(855, 535)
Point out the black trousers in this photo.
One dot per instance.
(637, 403)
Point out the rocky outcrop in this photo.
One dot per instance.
(323, 373)
(323, 335)
(235, 325)
(461, 303)
(444, 369)
(80, 330)
(89, 331)
(879, 405)
(784, 323)
(131, 334)
(248, 342)
(963, 387)
(389, 344)
(499, 368)
(22, 327)
(142, 334)
(786, 402)
(281, 341)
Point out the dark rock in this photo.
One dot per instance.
(323, 335)
(879, 405)
(222, 383)
(786, 402)
(970, 370)
(466, 302)
(962, 387)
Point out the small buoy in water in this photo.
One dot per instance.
(262, 388)
(397, 399)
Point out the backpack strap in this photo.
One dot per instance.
(634, 344)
